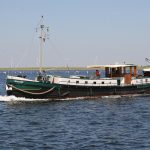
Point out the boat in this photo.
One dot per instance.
(146, 70)
(119, 79)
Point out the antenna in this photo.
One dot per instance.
(147, 60)
(43, 31)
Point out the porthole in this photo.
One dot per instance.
(77, 82)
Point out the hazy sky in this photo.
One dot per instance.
(82, 32)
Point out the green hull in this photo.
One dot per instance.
(31, 89)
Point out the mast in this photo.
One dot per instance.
(43, 36)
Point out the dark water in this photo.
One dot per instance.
(101, 124)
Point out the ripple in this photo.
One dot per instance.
(107, 123)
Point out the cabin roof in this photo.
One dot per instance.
(146, 69)
(111, 66)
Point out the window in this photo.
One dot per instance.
(86, 82)
(77, 82)
(103, 82)
(94, 82)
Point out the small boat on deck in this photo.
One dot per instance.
(146, 72)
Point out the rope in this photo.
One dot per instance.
(65, 94)
(50, 90)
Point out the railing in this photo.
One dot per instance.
(87, 84)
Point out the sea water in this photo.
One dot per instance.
(107, 123)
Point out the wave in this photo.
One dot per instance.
(22, 99)
(18, 99)
(125, 96)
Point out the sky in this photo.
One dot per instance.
(82, 32)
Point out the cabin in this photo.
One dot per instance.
(123, 73)
(115, 75)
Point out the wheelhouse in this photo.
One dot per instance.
(126, 71)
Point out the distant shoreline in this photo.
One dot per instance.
(56, 68)
(46, 68)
